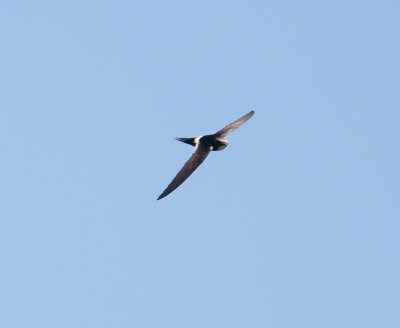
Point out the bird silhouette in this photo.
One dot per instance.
(203, 145)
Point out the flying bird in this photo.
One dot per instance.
(203, 145)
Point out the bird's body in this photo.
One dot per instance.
(203, 145)
(208, 140)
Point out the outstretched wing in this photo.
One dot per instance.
(199, 155)
(234, 125)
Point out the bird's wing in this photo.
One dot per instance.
(199, 155)
(234, 125)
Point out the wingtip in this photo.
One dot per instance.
(161, 196)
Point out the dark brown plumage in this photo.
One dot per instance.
(203, 145)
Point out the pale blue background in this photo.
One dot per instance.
(295, 224)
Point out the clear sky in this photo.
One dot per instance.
(294, 224)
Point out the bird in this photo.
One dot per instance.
(203, 145)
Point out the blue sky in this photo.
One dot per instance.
(294, 224)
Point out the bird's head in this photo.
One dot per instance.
(220, 144)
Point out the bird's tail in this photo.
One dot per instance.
(189, 141)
